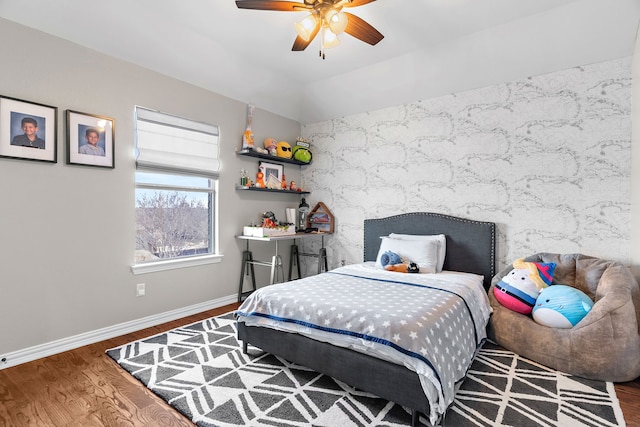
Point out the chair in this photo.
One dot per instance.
(604, 345)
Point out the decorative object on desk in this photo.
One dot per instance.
(321, 218)
(293, 186)
(303, 211)
(270, 144)
(260, 179)
(269, 219)
(290, 215)
(283, 149)
(301, 150)
(247, 136)
(280, 230)
(270, 227)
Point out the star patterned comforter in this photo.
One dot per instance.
(431, 323)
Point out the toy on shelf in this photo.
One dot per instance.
(260, 179)
(283, 149)
(284, 182)
(244, 178)
(270, 145)
(300, 151)
(293, 186)
(247, 136)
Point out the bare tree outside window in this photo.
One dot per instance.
(171, 224)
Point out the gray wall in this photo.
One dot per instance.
(67, 233)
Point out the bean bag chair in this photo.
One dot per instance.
(604, 345)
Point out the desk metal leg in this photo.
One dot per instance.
(247, 265)
(276, 266)
(322, 260)
(294, 259)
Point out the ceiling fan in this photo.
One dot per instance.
(325, 17)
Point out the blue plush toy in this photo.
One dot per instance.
(390, 258)
(561, 306)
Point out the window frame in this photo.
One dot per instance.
(190, 260)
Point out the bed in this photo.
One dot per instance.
(413, 378)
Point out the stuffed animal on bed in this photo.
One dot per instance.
(390, 258)
(519, 289)
(410, 267)
(391, 261)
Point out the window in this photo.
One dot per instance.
(176, 191)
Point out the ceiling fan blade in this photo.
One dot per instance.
(360, 29)
(355, 3)
(282, 6)
(301, 44)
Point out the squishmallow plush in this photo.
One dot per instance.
(561, 306)
(519, 289)
(283, 149)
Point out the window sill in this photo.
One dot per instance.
(152, 267)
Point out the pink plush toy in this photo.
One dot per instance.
(519, 289)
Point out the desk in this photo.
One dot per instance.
(276, 260)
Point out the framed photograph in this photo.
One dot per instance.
(28, 130)
(90, 140)
(273, 173)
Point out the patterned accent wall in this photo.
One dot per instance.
(547, 158)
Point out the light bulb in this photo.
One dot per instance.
(329, 39)
(305, 27)
(337, 21)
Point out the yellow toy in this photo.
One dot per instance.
(283, 149)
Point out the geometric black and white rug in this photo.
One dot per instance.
(201, 371)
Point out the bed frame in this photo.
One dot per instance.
(470, 249)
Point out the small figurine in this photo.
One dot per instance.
(284, 182)
(293, 186)
(260, 179)
(271, 145)
(247, 136)
(244, 178)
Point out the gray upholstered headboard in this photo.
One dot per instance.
(470, 244)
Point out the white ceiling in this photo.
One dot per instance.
(431, 47)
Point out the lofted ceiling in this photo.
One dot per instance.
(431, 47)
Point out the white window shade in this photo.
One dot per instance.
(172, 143)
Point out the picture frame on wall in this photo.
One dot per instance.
(28, 130)
(90, 140)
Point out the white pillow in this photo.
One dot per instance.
(440, 238)
(423, 252)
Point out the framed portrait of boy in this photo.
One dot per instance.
(28, 130)
(90, 140)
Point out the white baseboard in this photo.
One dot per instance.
(54, 347)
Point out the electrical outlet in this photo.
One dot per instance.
(343, 262)
(140, 290)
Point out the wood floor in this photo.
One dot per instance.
(85, 388)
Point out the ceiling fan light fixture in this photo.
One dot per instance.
(337, 21)
(305, 27)
(329, 38)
